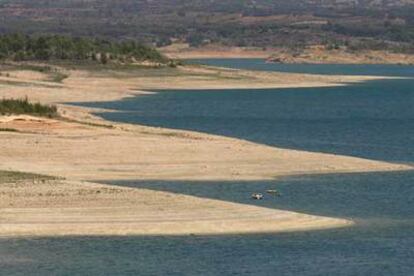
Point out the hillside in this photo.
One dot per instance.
(18, 47)
(297, 24)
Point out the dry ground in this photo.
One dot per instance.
(82, 148)
(315, 54)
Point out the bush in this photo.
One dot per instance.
(23, 106)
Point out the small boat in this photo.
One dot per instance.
(257, 196)
(273, 192)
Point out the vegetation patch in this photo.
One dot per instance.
(58, 77)
(34, 67)
(23, 106)
(296, 24)
(19, 47)
(28, 84)
(12, 177)
(8, 130)
(88, 123)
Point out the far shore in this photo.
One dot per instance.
(311, 55)
(81, 148)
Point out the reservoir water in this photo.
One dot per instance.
(325, 69)
(372, 120)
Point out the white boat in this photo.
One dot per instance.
(257, 196)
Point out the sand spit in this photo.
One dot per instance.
(110, 85)
(60, 208)
(84, 152)
(119, 151)
(81, 148)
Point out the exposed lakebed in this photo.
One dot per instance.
(372, 120)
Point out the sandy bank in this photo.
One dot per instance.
(59, 208)
(313, 55)
(84, 152)
(110, 85)
(87, 152)
(85, 148)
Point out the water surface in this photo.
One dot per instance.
(372, 120)
(382, 242)
(325, 69)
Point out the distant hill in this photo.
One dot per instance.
(19, 47)
(294, 24)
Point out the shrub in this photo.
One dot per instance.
(23, 106)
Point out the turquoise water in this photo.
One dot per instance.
(327, 69)
(373, 120)
(382, 242)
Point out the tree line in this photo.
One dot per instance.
(20, 47)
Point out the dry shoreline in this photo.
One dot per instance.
(317, 54)
(110, 210)
(84, 148)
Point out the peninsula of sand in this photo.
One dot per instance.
(78, 149)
